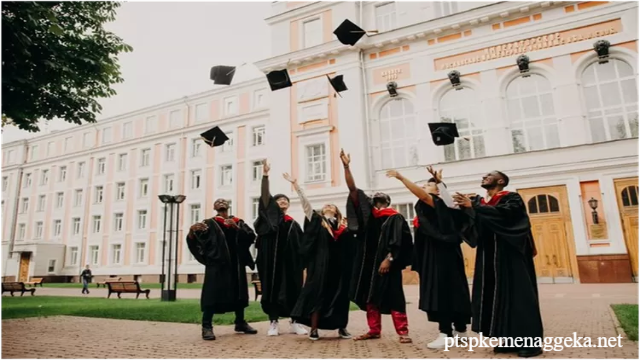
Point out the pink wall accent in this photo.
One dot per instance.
(293, 118)
(209, 182)
(162, 125)
(116, 133)
(86, 221)
(138, 128)
(215, 109)
(327, 26)
(47, 232)
(33, 202)
(245, 107)
(156, 182)
(183, 178)
(294, 37)
(68, 200)
(240, 190)
(59, 146)
(108, 204)
(132, 189)
(334, 141)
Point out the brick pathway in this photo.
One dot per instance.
(565, 309)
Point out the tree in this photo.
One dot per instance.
(57, 61)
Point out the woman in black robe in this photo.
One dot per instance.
(279, 265)
(324, 301)
(222, 244)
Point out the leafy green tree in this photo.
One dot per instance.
(57, 61)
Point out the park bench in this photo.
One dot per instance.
(258, 287)
(34, 282)
(120, 287)
(16, 286)
(104, 282)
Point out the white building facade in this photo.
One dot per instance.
(565, 129)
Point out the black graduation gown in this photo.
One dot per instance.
(444, 290)
(279, 264)
(326, 288)
(378, 237)
(225, 254)
(505, 292)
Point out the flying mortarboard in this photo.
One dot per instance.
(214, 137)
(279, 79)
(444, 133)
(337, 83)
(222, 75)
(349, 33)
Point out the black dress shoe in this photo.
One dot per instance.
(344, 333)
(313, 335)
(207, 334)
(504, 350)
(529, 352)
(243, 327)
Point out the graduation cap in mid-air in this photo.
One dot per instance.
(444, 133)
(214, 137)
(279, 79)
(349, 33)
(222, 75)
(337, 83)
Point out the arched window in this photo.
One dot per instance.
(534, 125)
(611, 99)
(398, 140)
(464, 109)
(542, 204)
(630, 196)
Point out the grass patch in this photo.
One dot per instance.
(180, 311)
(142, 285)
(627, 315)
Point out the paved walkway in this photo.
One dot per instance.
(565, 309)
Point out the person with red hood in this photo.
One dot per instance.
(505, 299)
(222, 245)
(385, 249)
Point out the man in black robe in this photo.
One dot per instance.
(438, 232)
(222, 244)
(279, 265)
(385, 249)
(505, 290)
(324, 300)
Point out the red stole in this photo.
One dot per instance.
(222, 220)
(287, 218)
(416, 223)
(494, 199)
(338, 232)
(377, 213)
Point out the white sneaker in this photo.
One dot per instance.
(273, 329)
(298, 329)
(461, 335)
(439, 342)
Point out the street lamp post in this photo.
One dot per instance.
(174, 201)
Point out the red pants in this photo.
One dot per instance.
(374, 319)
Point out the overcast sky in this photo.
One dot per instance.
(175, 45)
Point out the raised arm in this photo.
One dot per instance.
(264, 190)
(351, 184)
(306, 206)
(416, 190)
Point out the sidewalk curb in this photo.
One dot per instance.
(616, 323)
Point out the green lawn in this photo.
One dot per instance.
(142, 285)
(181, 311)
(627, 315)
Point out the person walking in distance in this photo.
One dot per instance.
(279, 264)
(86, 276)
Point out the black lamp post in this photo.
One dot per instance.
(594, 205)
(174, 201)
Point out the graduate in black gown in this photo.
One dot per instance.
(505, 291)
(324, 300)
(222, 244)
(438, 233)
(279, 263)
(385, 249)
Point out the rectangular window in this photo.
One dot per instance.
(44, 177)
(312, 33)
(445, 8)
(57, 227)
(386, 17)
(117, 222)
(231, 106)
(144, 187)
(77, 198)
(195, 213)
(21, 231)
(175, 119)
(94, 254)
(41, 202)
(140, 252)
(255, 203)
(97, 223)
(195, 147)
(81, 166)
(52, 266)
(5, 183)
(145, 157)
(407, 210)
(102, 166)
(170, 152)
(142, 219)
(168, 183)
(230, 202)
(256, 173)
(116, 251)
(106, 135)
(59, 200)
(27, 181)
(25, 205)
(202, 113)
(259, 99)
(68, 144)
(127, 130)
(226, 177)
(73, 256)
(122, 162)
(34, 152)
(99, 194)
(86, 142)
(259, 133)
(150, 125)
(10, 156)
(196, 176)
(120, 191)
(62, 174)
(316, 163)
(75, 226)
(39, 227)
(228, 145)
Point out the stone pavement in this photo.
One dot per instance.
(581, 308)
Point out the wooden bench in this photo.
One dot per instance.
(34, 282)
(120, 287)
(16, 286)
(258, 287)
(104, 283)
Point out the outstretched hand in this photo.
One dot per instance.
(265, 167)
(394, 174)
(346, 158)
(436, 174)
(290, 179)
(462, 200)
